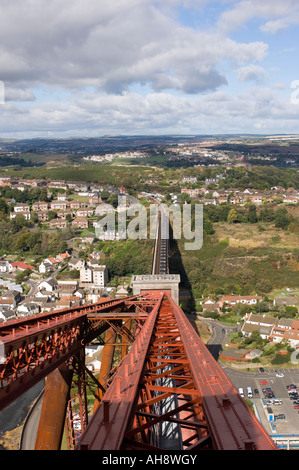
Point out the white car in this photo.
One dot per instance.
(279, 374)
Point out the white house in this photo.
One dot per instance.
(45, 267)
(48, 285)
(28, 309)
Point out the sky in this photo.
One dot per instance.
(88, 68)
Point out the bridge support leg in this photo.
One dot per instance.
(55, 401)
(124, 348)
(107, 358)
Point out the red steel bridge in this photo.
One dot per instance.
(159, 388)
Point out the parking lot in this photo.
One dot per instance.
(270, 379)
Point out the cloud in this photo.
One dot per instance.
(253, 73)
(156, 113)
(130, 66)
(274, 11)
(112, 45)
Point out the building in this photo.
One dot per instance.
(58, 223)
(40, 206)
(286, 301)
(28, 309)
(209, 305)
(5, 267)
(70, 286)
(7, 315)
(20, 208)
(96, 275)
(48, 285)
(191, 192)
(42, 216)
(242, 299)
(58, 205)
(10, 299)
(261, 323)
(80, 222)
(20, 266)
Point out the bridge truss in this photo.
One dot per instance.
(164, 392)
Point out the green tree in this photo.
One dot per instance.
(252, 215)
(232, 217)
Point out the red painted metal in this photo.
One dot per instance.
(167, 379)
(169, 361)
(53, 411)
(37, 345)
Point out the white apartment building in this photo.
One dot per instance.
(95, 275)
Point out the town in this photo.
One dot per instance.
(80, 275)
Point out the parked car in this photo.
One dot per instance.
(280, 416)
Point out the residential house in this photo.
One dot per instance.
(67, 285)
(209, 305)
(103, 209)
(20, 266)
(191, 192)
(97, 255)
(77, 204)
(190, 179)
(63, 214)
(48, 285)
(62, 197)
(40, 206)
(94, 200)
(87, 212)
(52, 261)
(76, 263)
(279, 330)
(5, 266)
(7, 315)
(10, 299)
(213, 202)
(20, 208)
(261, 323)
(286, 301)
(58, 205)
(45, 267)
(28, 308)
(42, 216)
(236, 299)
(58, 223)
(58, 184)
(89, 238)
(292, 334)
(122, 291)
(80, 222)
(63, 257)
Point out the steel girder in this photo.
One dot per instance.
(35, 346)
(169, 393)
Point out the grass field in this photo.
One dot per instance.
(243, 259)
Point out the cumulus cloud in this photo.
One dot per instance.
(253, 73)
(111, 45)
(98, 53)
(274, 11)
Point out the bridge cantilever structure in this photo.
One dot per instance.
(168, 360)
(166, 392)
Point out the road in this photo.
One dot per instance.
(244, 379)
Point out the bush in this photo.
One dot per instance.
(281, 359)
